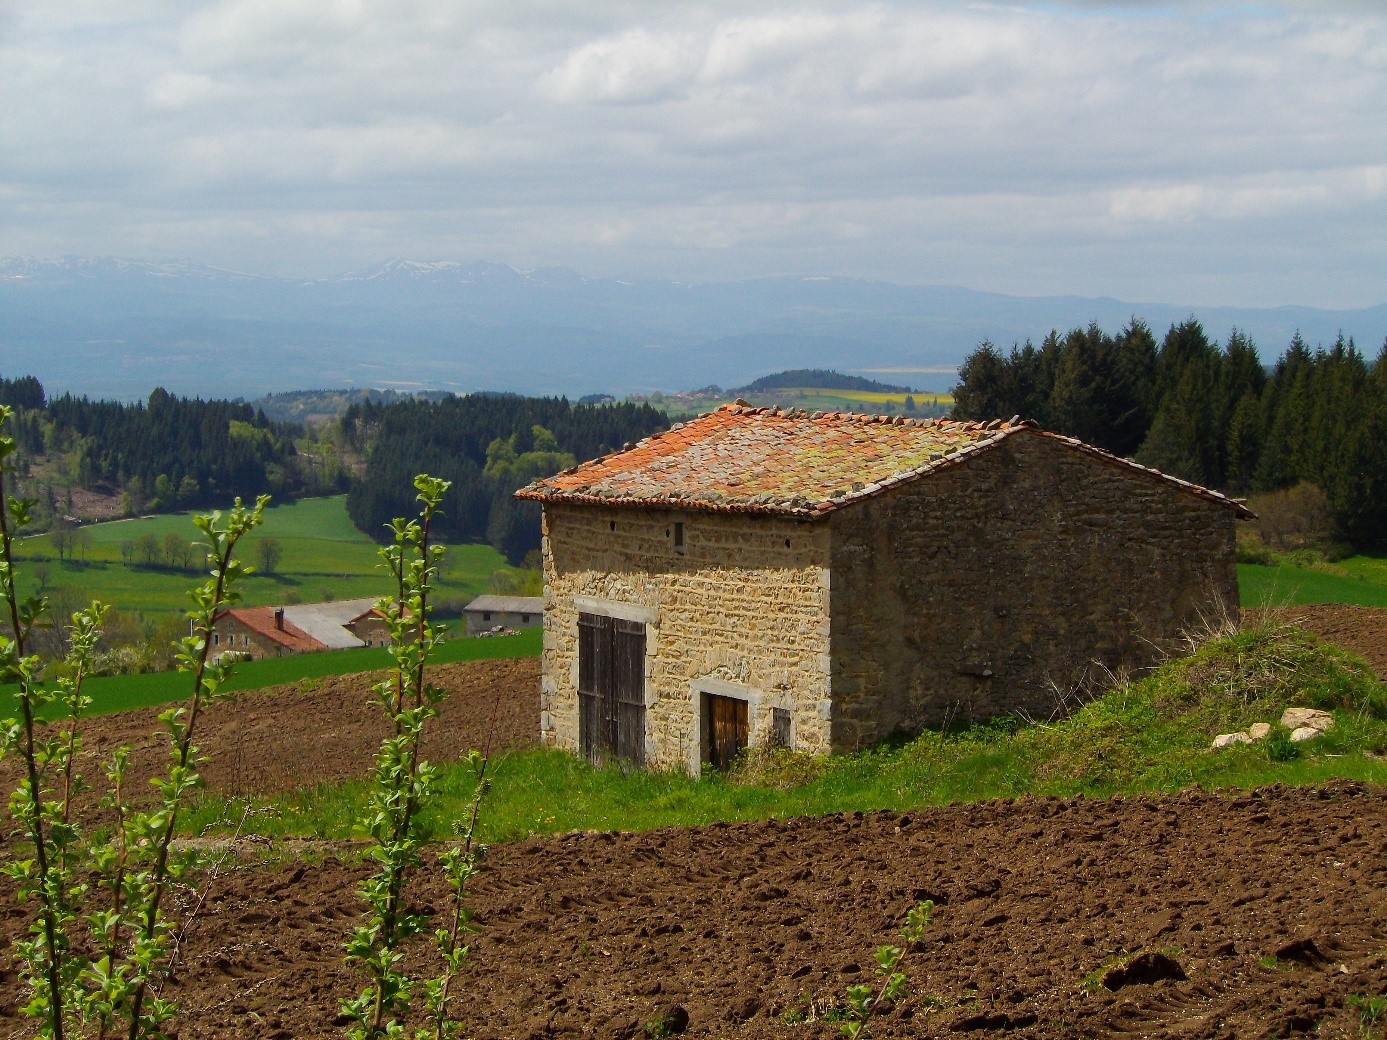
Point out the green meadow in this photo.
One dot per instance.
(323, 557)
(1360, 580)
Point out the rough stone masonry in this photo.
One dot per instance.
(997, 581)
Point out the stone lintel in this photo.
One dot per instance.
(616, 609)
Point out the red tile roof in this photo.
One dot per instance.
(793, 463)
(261, 620)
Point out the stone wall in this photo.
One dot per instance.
(486, 620)
(986, 587)
(371, 629)
(232, 635)
(742, 611)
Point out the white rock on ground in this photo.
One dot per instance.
(1229, 739)
(1259, 730)
(1304, 733)
(1308, 718)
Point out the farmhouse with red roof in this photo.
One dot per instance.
(295, 629)
(822, 580)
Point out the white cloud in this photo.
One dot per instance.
(637, 66)
(1079, 148)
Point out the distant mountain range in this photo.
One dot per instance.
(117, 328)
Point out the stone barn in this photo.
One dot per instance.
(823, 580)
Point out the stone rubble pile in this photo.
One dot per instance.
(1303, 723)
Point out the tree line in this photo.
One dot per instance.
(164, 453)
(487, 445)
(1209, 413)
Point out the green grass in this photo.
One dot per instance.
(324, 556)
(124, 692)
(1150, 735)
(1358, 579)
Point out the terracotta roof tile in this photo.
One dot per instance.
(261, 620)
(790, 463)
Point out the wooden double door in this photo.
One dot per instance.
(611, 688)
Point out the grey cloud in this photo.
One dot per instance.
(1086, 147)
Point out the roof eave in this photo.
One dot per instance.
(1239, 509)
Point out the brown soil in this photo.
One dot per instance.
(743, 926)
(1360, 629)
(322, 730)
(95, 506)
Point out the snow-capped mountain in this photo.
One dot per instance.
(110, 326)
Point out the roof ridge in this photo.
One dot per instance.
(791, 462)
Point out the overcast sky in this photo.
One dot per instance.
(1206, 154)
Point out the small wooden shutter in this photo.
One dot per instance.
(592, 637)
(780, 727)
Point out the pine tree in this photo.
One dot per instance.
(1097, 395)
(982, 392)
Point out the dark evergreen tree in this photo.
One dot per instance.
(1285, 415)
(984, 389)
(488, 446)
(1101, 394)
(24, 392)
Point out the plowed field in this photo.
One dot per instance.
(1271, 905)
(321, 730)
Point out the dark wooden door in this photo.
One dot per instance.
(628, 689)
(594, 667)
(725, 729)
(611, 688)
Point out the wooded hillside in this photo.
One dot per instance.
(168, 452)
(488, 446)
(1213, 415)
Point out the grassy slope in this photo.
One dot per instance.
(323, 556)
(1358, 579)
(1151, 735)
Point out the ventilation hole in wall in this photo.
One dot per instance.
(787, 543)
(613, 525)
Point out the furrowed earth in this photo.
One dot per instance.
(1192, 915)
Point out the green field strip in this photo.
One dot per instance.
(1360, 580)
(124, 692)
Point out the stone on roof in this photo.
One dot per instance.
(794, 463)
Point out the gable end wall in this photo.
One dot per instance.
(977, 591)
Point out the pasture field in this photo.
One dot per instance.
(1360, 580)
(927, 403)
(323, 557)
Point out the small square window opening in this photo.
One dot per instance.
(679, 536)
